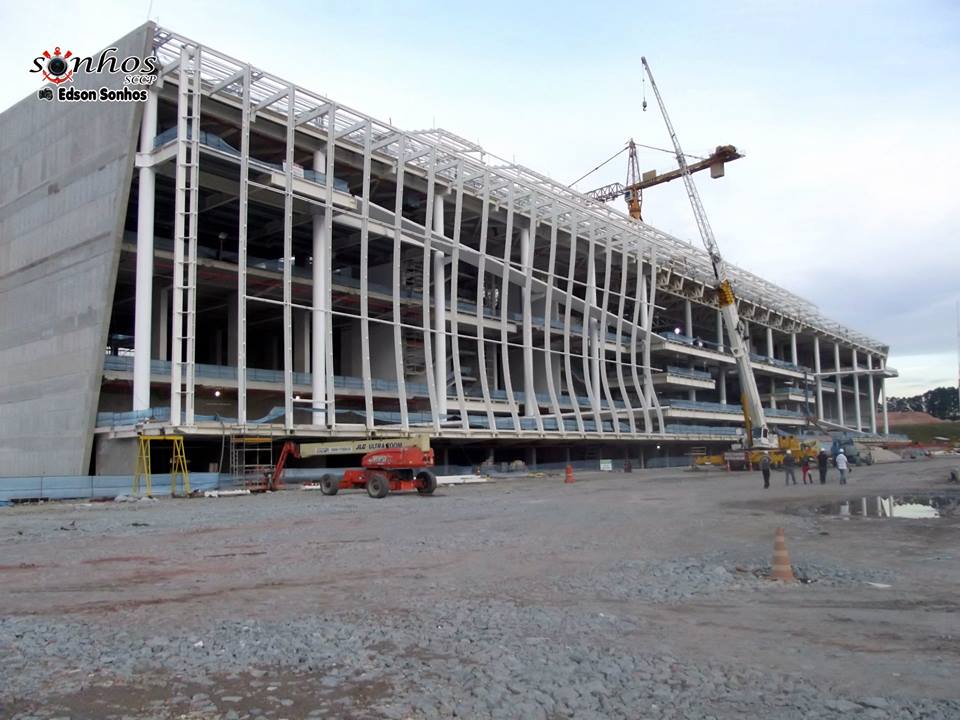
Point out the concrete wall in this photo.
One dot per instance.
(65, 172)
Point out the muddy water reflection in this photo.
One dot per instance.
(912, 506)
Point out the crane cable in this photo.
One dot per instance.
(615, 155)
(590, 172)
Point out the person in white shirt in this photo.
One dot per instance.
(841, 462)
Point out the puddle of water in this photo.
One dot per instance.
(909, 507)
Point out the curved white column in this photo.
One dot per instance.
(318, 331)
(143, 318)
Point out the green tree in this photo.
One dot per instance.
(941, 402)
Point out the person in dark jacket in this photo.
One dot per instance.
(765, 469)
(805, 471)
(822, 459)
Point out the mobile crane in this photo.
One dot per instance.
(389, 465)
(753, 415)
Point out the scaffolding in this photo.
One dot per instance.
(178, 464)
(251, 462)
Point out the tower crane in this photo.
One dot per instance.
(750, 395)
(636, 183)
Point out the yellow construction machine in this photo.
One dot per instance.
(748, 459)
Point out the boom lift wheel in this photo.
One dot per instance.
(377, 486)
(426, 482)
(329, 485)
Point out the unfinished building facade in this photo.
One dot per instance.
(265, 260)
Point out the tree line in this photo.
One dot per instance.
(941, 402)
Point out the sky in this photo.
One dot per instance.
(847, 112)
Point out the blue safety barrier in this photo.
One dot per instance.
(89, 487)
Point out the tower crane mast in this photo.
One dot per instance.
(752, 406)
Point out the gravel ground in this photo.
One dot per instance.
(618, 597)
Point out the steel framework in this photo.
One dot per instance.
(593, 319)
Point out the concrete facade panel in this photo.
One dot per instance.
(65, 172)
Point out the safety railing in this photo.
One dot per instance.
(215, 142)
(689, 373)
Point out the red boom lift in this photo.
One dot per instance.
(389, 465)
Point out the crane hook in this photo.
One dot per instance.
(644, 106)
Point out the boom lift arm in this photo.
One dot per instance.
(752, 407)
(389, 464)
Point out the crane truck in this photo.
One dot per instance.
(753, 415)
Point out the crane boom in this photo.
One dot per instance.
(722, 154)
(752, 407)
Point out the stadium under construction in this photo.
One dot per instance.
(237, 255)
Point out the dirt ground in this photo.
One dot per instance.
(621, 595)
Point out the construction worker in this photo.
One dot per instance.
(842, 466)
(765, 469)
(805, 470)
(822, 459)
(789, 465)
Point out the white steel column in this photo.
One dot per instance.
(856, 391)
(591, 334)
(321, 275)
(719, 331)
(365, 364)
(838, 379)
(237, 309)
(816, 370)
(142, 334)
(595, 368)
(395, 286)
(873, 398)
(439, 311)
(687, 318)
(793, 349)
(287, 343)
(440, 327)
(647, 342)
(639, 323)
(722, 382)
(770, 352)
(526, 262)
(883, 397)
(454, 294)
(504, 310)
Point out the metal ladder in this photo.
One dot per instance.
(183, 367)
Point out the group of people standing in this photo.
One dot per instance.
(790, 465)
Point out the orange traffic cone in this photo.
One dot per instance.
(569, 477)
(781, 559)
